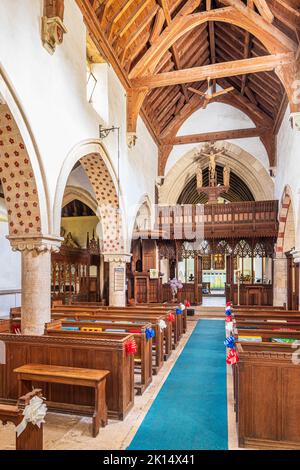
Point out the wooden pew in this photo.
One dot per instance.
(181, 320)
(177, 327)
(32, 436)
(266, 334)
(143, 356)
(268, 316)
(107, 353)
(258, 307)
(149, 306)
(167, 336)
(263, 333)
(154, 319)
(268, 405)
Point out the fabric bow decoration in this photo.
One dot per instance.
(162, 325)
(230, 342)
(34, 413)
(232, 357)
(170, 316)
(228, 311)
(131, 347)
(182, 307)
(187, 303)
(228, 318)
(178, 311)
(149, 333)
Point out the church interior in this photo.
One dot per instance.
(149, 225)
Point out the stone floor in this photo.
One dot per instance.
(73, 432)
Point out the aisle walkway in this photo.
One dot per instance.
(190, 411)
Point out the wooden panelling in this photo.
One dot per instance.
(108, 354)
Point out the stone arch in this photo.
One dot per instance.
(74, 192)
(142, 211)
(99, 169)
(286, 230)
(21, 171)
(258, 179)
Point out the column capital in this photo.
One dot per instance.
(38, 243)
(117, 257)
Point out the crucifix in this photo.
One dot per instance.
(213, 190)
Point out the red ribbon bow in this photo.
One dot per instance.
(228, 318)
(232, 357)
(171, 316)
(131, 347)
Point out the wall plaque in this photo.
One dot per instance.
(119, 279)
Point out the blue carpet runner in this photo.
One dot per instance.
(190, 411)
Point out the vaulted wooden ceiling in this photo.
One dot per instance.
(131, 34)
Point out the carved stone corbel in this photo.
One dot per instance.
(295, 120)
(53, 27)
(118, 258)
(131, 139)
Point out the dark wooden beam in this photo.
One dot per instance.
(219, 135)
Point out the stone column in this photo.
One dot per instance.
(36, 281)
(117, 278)
(280, 280)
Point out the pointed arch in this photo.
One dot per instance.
(21, 170)
(99, 169)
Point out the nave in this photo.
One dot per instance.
(186, 402)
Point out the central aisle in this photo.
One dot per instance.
(190, 411)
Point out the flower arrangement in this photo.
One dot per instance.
(175, 284)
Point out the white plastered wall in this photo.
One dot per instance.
(288, 168)
(51, 91)
(218, 117)
(10, 273)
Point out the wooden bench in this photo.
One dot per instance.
(86, 328)
(29, 373)
(32, 436)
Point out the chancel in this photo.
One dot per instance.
(149, 226)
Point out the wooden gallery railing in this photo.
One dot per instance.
(238, 219)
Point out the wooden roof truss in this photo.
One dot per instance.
(164, 50)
